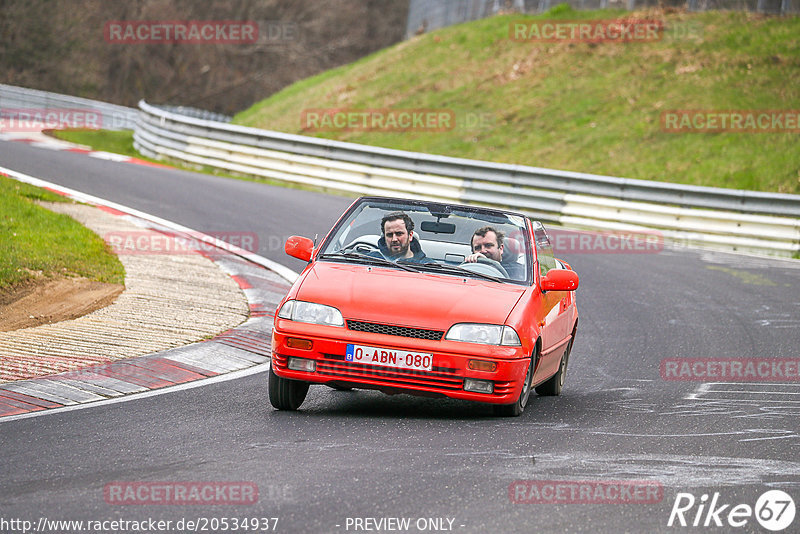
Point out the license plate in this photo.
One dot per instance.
(401, 359)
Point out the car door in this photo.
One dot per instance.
(555, 323)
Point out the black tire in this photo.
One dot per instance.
(516, 409)
(554, 385)
(285, 394)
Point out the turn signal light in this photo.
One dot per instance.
(297, 343)
(481, 365)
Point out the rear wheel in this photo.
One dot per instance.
(555, 384)
(285, 394)
(516, 409)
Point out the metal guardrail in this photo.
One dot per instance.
(197, 113)
(733, 219)
(27, 105)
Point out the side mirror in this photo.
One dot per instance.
(299, 247)
(560, 280)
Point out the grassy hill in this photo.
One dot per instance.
(590, 107)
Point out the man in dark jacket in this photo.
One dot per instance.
(398, 239)
(488, 242)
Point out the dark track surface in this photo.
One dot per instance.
(363, 454)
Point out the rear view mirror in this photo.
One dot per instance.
(436, 227)
(299, 247)
(560, 280)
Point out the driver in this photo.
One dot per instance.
(398, 239)
(488, 242)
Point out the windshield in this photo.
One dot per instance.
(432, 237)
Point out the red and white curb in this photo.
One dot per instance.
(242, 350)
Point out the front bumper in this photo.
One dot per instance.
(446, 379)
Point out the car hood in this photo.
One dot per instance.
(394, 296)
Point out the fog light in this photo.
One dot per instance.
(478, 386)
(481, 365)
(302, 364)
(295, 343)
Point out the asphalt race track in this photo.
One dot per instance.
(350, 461)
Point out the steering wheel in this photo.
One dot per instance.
(362, 247)
(488, 261)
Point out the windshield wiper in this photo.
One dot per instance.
(459, 270)
(368, 259)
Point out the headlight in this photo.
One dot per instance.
(487, 334)
(310, 312)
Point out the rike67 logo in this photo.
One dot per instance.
(774, 510)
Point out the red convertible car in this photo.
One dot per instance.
(426, 298)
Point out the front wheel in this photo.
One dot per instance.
(516, 409)
(285, 394)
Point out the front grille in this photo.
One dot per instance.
(440, 378)
(389, 376)
(392, 330)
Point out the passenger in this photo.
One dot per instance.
(488, 242)
(399, 241)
